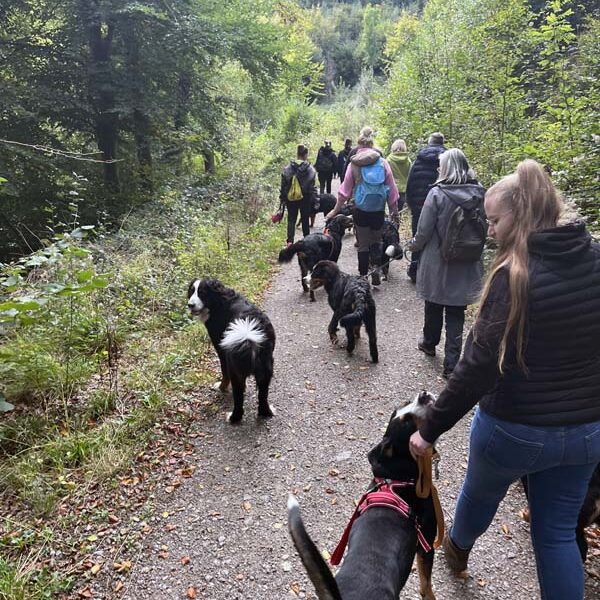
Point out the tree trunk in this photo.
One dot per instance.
(209, 161)
(102, 88)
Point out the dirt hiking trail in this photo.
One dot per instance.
(228, 522)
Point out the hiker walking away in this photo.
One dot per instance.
(343, 157)
(298, 191)
(451, 235)
(532, 361)
(369, 178)
(400, 164)
(326, 166)
(423, 174)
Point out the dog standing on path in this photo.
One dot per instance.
(243, 338)
(383, 539)
(316, 247)
(352, 302)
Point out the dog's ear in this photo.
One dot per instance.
(381, 453)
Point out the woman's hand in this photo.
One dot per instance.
(417, 445)
(330, 215)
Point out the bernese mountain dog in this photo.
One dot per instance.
(382, 542)
(243, 338)
(325, 203)
(352, 303)
(316, 247)
(388, 249)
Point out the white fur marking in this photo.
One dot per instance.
(196, 305)
(292, 503)
(414, 408)
(308, 278)
(390, 251)
(241, 330)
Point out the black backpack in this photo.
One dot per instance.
(465, 234)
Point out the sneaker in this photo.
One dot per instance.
(456, 557)
(375, 279)
(426, 348)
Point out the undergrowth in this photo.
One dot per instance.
(89, 373)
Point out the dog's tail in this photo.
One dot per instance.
(360, 309)
(287, 254)
(315, 565)
(241, 340)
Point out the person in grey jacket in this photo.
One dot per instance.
(446, 286)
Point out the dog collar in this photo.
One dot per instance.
(382, 493)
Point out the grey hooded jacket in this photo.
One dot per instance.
(449, 283)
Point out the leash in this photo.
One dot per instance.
(425, 487)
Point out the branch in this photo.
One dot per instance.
(64, 153)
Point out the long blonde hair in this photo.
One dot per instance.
(535, 204)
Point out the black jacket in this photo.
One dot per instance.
(562, 351)
(306, 175)
(326, 161)
(343, 158)
(422, 176)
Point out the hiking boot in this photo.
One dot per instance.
(375, 278)
(456, 558)
(426, 348)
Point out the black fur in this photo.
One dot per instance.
(325, 203)
(378, 256)
(225, 306)
(382, 543)
(316, 247)
(352, 302)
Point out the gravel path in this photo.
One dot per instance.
(229, 519)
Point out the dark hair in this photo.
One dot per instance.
(301, 151)
(348, 142)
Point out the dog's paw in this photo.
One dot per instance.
(233, 418)
(266, 413)
(333, 338)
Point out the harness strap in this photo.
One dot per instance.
(383, 495)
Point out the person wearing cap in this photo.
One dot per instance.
(326, 166)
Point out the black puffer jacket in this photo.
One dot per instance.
(562, 352)
(422, 176)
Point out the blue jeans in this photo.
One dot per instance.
(558, 462)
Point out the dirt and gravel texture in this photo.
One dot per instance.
(223, 535)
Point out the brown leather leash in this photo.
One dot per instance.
(425, 487)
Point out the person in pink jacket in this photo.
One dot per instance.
(372, 185)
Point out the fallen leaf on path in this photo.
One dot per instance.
(505, 529)
(122, 567)
(86, 592)
(185, 560)
(191, 592)
(119, 586)
(96, 569)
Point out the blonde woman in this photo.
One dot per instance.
(532, 361)
(400, 164)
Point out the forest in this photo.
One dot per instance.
(141, 143)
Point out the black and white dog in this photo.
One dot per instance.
(352, 303)
(382, 542)
(388, 249)
(242, 336)
(316, 247)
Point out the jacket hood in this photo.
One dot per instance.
(467, 195)
(398, 158)
(563, 244)
(365, 156)
(431, 153)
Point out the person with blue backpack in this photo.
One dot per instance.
(372, 184)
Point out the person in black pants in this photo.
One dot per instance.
(306, 175)
(326, 165)
(423, 174)
(447, 286)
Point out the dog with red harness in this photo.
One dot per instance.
(397, 518)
